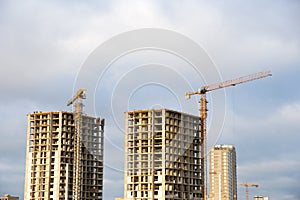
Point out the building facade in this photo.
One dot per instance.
(222, 173)
(162, 156)
(8, 197)
(261, 198)
(51, 157)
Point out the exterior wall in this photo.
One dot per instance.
(8, 197)
(92, 158)
(223, 178)
(261, 198)
(162, 155)
(50, 157)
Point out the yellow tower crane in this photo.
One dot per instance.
(77, 116)
(203, 111)
(247, 185)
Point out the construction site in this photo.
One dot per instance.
(165, 154)
(64, 155)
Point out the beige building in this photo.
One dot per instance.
(261, 198)
(51, 157)
(162, 156)
(222, 173)
(8, 197)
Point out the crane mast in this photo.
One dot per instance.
(77, 115)
(247, 185)
(203, 113)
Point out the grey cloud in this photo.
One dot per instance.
(44, 43)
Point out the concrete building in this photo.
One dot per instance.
(8, 197)
(162, 156)
(51, 157)
(222, 173)
(261, 198)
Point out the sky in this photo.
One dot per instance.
(146, 54)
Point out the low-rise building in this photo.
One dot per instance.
(8, 197)
(261, 198)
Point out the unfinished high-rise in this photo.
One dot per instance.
(51, 157)
(162, 156)
(222, 173)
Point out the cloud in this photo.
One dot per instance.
(43, 45)
(267, 149)
(279, 176)
(270, 167)
(234, 32)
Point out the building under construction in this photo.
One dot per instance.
(162, 156)
(55, 167)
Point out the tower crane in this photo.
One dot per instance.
(77, 115)
(203, 111)
(247, 185)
